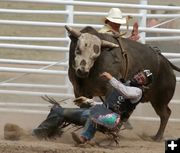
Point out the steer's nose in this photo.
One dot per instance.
(82, 73)
(83, 63)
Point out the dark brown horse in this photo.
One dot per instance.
(92, 53)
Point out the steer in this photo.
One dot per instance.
(92, 53)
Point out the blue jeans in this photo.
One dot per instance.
(109, 120)
(58, 116)
(85, 115)
(89, 130)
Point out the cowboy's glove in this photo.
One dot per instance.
(84, 102)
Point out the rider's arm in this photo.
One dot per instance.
(126, 91)
(135, 33)
(84, 102)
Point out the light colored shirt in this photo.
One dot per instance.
(106, 29)
(129, 92)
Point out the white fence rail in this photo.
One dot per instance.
(45, 48)
(9, 42)
(100, 4)
(14, 61)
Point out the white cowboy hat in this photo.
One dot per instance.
(115, 16)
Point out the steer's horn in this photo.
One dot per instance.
(105, 43)
(72, 31)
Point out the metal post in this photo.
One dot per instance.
(142, 21)
(69, 19)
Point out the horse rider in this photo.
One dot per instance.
(113, 22)
(79, 116)
(117, 107)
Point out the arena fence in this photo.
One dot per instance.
(69, 13)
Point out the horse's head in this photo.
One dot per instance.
(87, 50)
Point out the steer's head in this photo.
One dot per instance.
(87, 50)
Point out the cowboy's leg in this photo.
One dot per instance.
(126, 122)
(87, 133)
(57, 116)
(50, 124)
(77, 116)
(89, 130)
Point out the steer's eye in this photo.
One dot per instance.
(96, 49)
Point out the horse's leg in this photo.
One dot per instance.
(164, 113)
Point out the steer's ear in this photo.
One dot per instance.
(105, 43)
(72, 32)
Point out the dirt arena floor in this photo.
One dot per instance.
(137, 140)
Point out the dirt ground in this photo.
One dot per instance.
(137, 140)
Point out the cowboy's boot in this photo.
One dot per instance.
(50, 125)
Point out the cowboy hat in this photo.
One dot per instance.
(115, 16)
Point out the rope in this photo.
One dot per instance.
(125, 56)
(101, 99)
(164, 22)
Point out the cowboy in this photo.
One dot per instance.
(79, 116)
(117, 107)
(113, 22)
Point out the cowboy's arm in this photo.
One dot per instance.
(126, 91)
(135, 32)
(84, 102)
